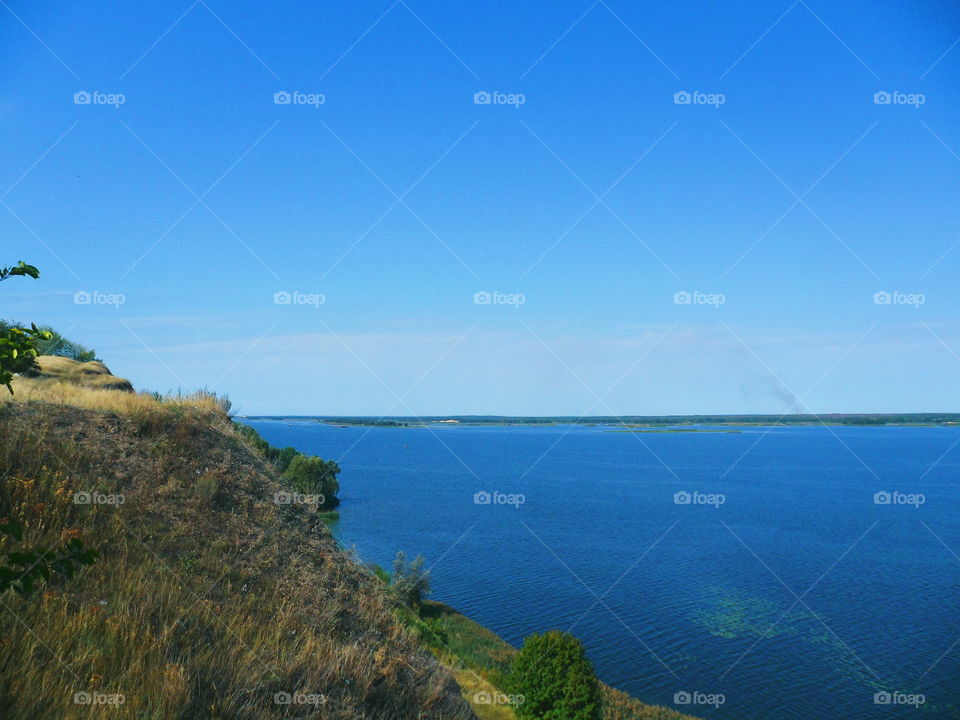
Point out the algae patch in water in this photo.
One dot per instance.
(732, 615)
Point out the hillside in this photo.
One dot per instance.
(209, 600)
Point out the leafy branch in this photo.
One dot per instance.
(18, 345)
(23, 568)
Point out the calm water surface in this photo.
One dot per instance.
(797, 597)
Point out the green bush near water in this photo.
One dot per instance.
(307, 474)
(556, 680)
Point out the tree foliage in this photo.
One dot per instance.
(22, 269)
(18, 345)
(280, 457)
(556, 680)
(313, 475)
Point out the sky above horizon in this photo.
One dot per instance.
(564, 208)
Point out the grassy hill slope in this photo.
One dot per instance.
(209, 600)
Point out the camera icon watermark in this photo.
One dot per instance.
(496, 97)
(95, 97)
(299, 698)
(84, 297)
(895, 97)
(85, 497)
(97, 698)
(294, 498)
(497, 698)
(695, 697)
(282, 297)
(282, 97)
(685, 297)
(485, 297)
(483, 497)
(914, 500)
(683, 497)
(896, 297)
(684, 97)
(899, 698)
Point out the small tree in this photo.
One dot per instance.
(312, 475)
(409, 582)
(555, 678)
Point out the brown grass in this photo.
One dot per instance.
(209, 598)
(93, 374)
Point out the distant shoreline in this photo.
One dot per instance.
(639, 423)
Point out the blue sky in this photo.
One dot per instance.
(781, 199)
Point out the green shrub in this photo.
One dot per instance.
(409, 582)
(280, 457)
(312, 475)
(555, 678)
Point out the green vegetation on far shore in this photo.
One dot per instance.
(631, 421)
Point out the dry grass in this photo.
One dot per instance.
(93, 374)
(209, 599)
(65, 392)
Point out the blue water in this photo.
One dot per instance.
(692, 597)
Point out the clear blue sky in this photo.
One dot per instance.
(597, 199)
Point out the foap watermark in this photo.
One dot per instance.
(497, 698)
(295, 498)
(484, 297)
(682, 497)
(299, 698)
(282, 297)
(914, 500)
(98, 698)
(496, 97)
(498, 498)
(895, 97)
(685, 297)
(86, 97)
(695, 697)
(282, 97)
(896, 297)
(84, 297)
(94, 497)
(899, 698)
(683, 97)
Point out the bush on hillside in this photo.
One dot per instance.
(409, 581)
(313, 475)
(280, 457)
(556, 680)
